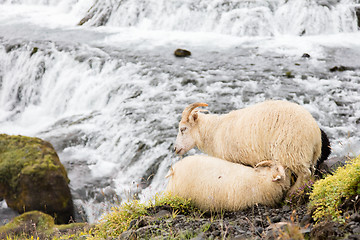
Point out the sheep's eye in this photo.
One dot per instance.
(182, 130)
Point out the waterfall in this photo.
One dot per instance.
(234, 17)
(108, 93)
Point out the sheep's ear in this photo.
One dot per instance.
(193, 117)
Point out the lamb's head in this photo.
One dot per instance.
(279, 173)
(187, 127)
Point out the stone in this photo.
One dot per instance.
(182, 53)
(354, 237)
(341, 69)
(356, 230)
(305, 55)
(355, 217)
(128, 235)
(331, 164)
(275, 219)
(162, 214)
(33, 178)
(286, 208)
(305, 220)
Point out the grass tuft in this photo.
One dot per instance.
(119, 219)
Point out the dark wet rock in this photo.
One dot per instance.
(289, 74)
(148, 176)
(341, 69)
(35, 50)
(330, 165)
(33, 178)
(182, 53)
(11, 47)
(102, 10)
(305, 55)
(357, 11)
(189, 81)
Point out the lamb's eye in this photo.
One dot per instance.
(182, 130)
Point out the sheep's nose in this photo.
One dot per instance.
(177, 150)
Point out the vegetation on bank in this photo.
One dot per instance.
(119, 220)
(329, 194)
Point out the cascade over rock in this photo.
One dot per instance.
(234, 17)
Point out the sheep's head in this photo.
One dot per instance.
(185, 140)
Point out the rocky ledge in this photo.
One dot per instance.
(258, 222)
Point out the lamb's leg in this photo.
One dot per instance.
(302, 177)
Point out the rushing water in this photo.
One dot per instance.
(108, 94)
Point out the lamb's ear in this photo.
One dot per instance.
(266, 163)
(276, 178)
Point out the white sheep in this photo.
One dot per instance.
(274, 130)
(215, 184)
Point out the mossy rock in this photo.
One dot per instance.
(38, 224)
(33, 178)
(28, 224)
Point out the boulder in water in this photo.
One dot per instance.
(33, 178)
(305, 55)
(341, 69)
(182, 53)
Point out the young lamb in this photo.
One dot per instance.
(215, 184)
(276, 130)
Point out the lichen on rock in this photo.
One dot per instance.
(33, 178)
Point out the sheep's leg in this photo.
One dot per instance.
(302, 178)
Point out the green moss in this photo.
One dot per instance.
(26, 155)
(28, 224)
(329, 193)
(118, 220)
